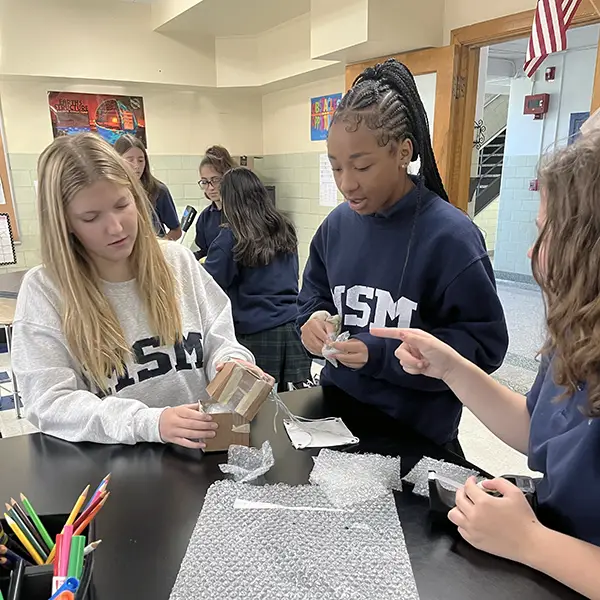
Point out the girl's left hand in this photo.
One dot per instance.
(353, 353)
(251, 367)
(502, 526)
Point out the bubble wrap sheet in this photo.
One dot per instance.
(248, 464)
(273, 554)
(348, 479)
(418, 475)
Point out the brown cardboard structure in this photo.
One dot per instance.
(244, 393)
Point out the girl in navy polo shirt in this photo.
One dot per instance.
(164, 214)
(255, 260)
(558, 423)
(216, 162)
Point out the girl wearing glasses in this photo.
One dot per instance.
(216, 162)
(164, 214)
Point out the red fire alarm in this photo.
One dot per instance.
(550, 73)
(534, 185)
(537, 105)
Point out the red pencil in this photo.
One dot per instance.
(86, 513)
(89, 519)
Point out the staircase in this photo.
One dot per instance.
(485, 188)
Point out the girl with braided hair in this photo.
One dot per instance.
(396, 253)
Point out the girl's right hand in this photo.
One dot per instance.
(186, 426)
(421, 353)
(315, 334)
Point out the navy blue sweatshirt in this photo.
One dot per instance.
(355, 268)
(207, 229)
(262, 298)
(564, 445)
(164, 212)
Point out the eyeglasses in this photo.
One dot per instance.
(214, 182)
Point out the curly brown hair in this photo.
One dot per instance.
(566, 264)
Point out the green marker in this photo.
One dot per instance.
(76, 556)
(36, 521)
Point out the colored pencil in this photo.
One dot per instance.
(91, 547)
(57, 547)
(101, 488)
(78, 506)
(92, 515)
(76, 556)
(28, 525)
(26, 534)
(65, 551)
(21, 536)
(86, 513)
(16, 582)
(37, 522)
(4, 551)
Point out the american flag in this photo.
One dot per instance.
(549, 32)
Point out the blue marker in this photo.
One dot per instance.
(70, 585)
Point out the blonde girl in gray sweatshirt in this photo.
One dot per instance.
(117, 334)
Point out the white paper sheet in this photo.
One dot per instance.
(327, 187)
(7, 247)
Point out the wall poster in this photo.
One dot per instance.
(321, 112)
(109, 116)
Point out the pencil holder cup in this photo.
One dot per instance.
(37, 583)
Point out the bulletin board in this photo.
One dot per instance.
(6, 198)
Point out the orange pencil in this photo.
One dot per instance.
(89, 519)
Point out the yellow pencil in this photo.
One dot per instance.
(36, 557)
(71, 519)
(77, 506)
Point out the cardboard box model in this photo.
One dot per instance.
(235, 397)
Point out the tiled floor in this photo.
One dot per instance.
(525, 315)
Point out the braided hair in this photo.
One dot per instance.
(386, 99)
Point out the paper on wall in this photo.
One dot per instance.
(2, 198)
(327, 187)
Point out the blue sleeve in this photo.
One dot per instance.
(220, 263)
(469, 318)
(201, 235)
(534, 393)
(165, 208)
(315, 293)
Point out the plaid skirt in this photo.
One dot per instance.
(280, 353)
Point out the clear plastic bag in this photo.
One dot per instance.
(329, 352)
(248, 464)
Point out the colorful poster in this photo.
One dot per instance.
(105, 114)
(321, 111)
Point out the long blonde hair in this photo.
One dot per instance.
(92, 330)
(566, 264)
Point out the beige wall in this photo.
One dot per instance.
(286, 117)
(96, 40)
(459, 13)
(178, 121)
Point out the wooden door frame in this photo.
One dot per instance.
(457, 68)
(468, 41)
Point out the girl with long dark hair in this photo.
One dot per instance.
(164, 215)
(255, 260)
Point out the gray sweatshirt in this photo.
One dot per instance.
(58, 399)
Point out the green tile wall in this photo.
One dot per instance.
(296, 177)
